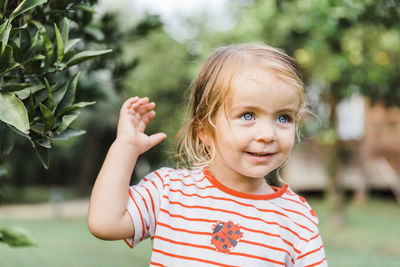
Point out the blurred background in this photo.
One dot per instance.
(346, 161)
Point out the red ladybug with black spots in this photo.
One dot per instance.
(225, 236)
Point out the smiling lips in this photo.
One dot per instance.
(260, 156)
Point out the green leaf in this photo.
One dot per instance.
(69, 96)
(25, 6)
(59, 94)
(71, 43)
(13, 87)
(35, 44)
(48, 118)
(85, 8)
(16, 51)
(68, 133)
(48, 48)
(24, 94)
(94, 33)
(33, 65)
(67, 56)
(60, 45)
(5, 33)
(16, 30)
(44, 142)
(7, 140)
(64, 30)
(3, 26)
(31, 107)
(16, 237)
(9, 68)
(37, 24)
(6, 55)
(73, 107)
(49, 95)
(43, 154)
(67, 120)
(25, 42)
(86, 55)
(13, 112)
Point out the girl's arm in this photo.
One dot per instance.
(107, 217)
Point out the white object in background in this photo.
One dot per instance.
(350, 114)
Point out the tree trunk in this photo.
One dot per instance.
(334, 166)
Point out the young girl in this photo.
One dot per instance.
(244, 107)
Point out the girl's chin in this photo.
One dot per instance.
(256, 174)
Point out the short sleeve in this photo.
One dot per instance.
(144, 204)
(313, 254)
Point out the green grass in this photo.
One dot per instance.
(371, 237)
(67, 242)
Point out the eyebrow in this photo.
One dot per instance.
(249, 107)
(288, 110)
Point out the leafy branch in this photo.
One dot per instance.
(37, 89)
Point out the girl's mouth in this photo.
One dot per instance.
(260, 157)
(259, 154)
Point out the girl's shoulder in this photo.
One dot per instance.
(296, 205)
(167, 173)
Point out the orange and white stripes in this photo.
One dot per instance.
(179, 210)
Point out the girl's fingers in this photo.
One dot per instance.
(142, 110)
(145, 119)
(140, 105)
(133, 102)
(156, 138)
(142, 101)
(149, 116)
(129, 102)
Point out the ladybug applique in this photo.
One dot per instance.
(225, 236)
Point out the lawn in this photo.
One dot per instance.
(371, 237)
(67, 242)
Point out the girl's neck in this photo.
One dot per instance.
(247, 185)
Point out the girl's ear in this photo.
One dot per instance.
(204, 137)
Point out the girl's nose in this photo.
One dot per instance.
(265, 132)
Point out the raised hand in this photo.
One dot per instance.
(134, 115)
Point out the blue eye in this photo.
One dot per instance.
(248, 116)
(283, 119)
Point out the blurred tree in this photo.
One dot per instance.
(76, 162)
(342, 47)
(37, 86)
(121, 63)
(165, 71)
(38, 89)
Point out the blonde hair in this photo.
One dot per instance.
(212, 89)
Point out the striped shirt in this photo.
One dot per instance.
(193, 220)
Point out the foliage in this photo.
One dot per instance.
(16, 237)
(342, 46)
(76, 162)
(38, 87)
(164, 73)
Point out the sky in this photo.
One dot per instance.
(169, 8)
(173, 13)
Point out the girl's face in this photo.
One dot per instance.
(257, 133)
